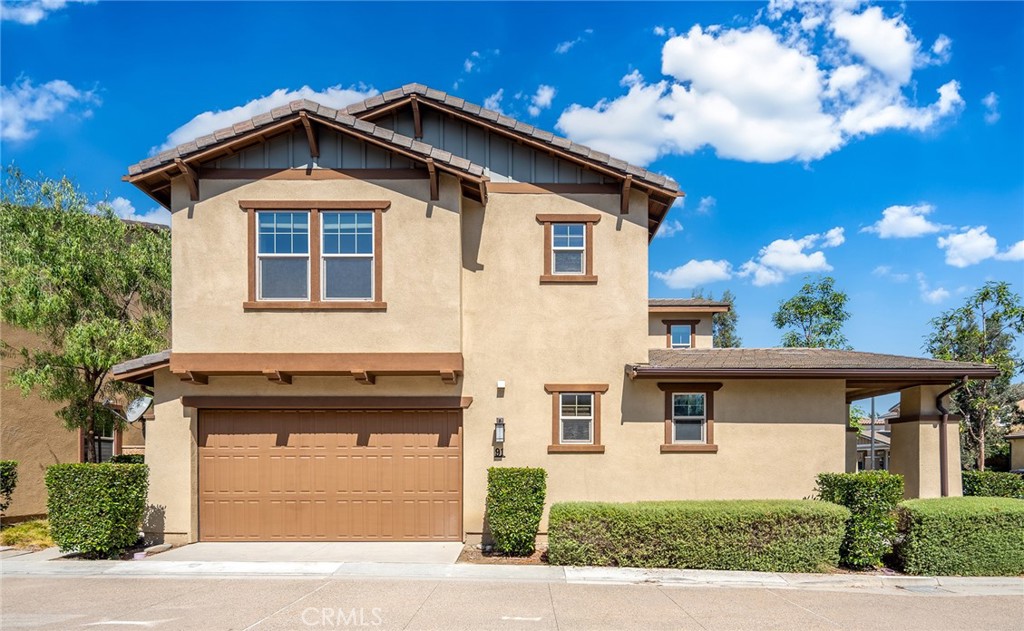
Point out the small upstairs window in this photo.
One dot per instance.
(568, 248)
(283, 255)
(348, 256)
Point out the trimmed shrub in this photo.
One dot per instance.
(96, 509)
(767, 536)
(962, 536)
(872, 497)
(8, 481)
(993, 484)
(515, 503)
(128, 459)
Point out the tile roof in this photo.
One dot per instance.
(686, 302)
(724, 360)
(515, 126)
(139, 363)
(277, 114)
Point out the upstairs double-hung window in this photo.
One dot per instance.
(348, 256)
(283, 255)
(568, 248)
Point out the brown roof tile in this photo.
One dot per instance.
(685, 302)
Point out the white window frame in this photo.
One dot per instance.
(372, 256)
(689, 338)
(688, 419)
(260, 256)
(562, 417)
(582, 249)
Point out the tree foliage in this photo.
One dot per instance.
(723, 324)
(95, 288)
(982, 330)
(814, 316)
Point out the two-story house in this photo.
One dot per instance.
(374, 305)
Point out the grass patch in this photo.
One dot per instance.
(28, 534)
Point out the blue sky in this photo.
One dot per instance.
(881, 144)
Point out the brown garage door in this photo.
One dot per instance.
(330, 476)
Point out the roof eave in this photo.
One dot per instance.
(929, 375)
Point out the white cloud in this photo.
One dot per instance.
(885, 271)
(566, 46)
(493, 102)
(760, 94)
(706, 205)
(210, 121)
(903, 222)
(785, 257)
(991, 103)
(24, 105)
(929, 294)
(969, 247)
(1014, 253)
(942, 48)
(33, 11)
(695, 273)
(124, 209)
(541, 100)
(669, 229)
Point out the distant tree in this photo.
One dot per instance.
(95, 288)
(857, 418)
(983, 330)
(723, 324)
(815, 316)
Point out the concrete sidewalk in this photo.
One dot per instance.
(48, 563)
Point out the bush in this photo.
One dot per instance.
(993, 484)
(96, 509)
(8, 480)
(768, 536)
(128, 459)
(965, 536)
(872, 497)
(515, 503)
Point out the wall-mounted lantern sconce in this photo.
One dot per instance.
(499, 431)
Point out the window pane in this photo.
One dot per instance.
(283, 233)
(681, 335)
(577, 404)
(688, 405)
(576, 431)
(688, 431)
(283, 278)
(568, 262)
(348, 232)
(349, 278)
(567, 235)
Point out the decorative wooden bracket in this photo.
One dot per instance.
(434, 185)
(626, 185)
(314, 145)
(449, 377)
(364, 378)
(483, 192)
(277, 377)
(417, 122)
(190, 377)
(190, 178)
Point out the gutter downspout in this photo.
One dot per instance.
(943, 441)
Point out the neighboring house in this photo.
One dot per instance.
(362, 298)
(882, 443)
(33, 435)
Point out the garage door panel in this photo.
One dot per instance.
(330, 476)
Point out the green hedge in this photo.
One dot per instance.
(515, 503)
(96, 509)
(964, 536)
(8, 481)
(872, 497)
(993, 484)
(128, 459)
(769, 535)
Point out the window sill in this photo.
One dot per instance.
(305, 305)
(689, 449)
(575, 449)
(577, 279)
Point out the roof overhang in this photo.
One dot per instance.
(690, 309)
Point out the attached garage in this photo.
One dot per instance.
(330, 475)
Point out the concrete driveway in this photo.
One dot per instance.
(334, 552)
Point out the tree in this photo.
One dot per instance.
(96, 288)
(815, 314)
(723, 325)
(983, 331)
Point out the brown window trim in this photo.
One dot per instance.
(555, 390)
(315, 303)
(708, 390)
(587, 277)
(668, 331)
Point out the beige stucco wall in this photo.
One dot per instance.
(914, 450)
(1016, 453)
(421, 265)
(703, 336)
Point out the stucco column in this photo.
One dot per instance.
(915, 444)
